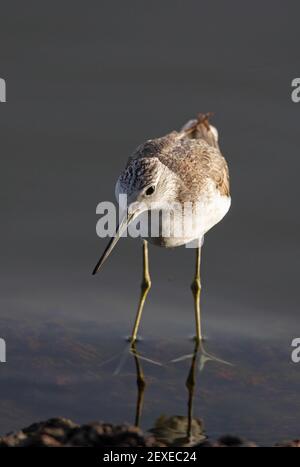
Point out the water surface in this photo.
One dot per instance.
(85, 372)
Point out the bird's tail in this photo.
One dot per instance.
(200, 128)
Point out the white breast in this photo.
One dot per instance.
(210, 210)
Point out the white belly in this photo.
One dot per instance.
(173, 233)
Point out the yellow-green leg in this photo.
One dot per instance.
(145, 287)
(196, 289)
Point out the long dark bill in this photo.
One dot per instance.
(113, 241)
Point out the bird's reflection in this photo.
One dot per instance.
(176, 430)
(141, 385)
(184, 430)
(191, 384)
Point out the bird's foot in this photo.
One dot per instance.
(134, 341)
(198, 340)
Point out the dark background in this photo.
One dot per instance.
(89, 81)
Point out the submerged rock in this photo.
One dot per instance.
(172, 431)
(58, 432)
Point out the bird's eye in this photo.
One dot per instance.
(150, 190)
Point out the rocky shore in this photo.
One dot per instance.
(59, 432)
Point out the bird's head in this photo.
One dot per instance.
(148, 184)
(145, 182)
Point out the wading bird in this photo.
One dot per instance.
(184, 167)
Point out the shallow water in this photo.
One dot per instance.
(86, 373)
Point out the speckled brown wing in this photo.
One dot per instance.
(196, 163)
(211, 160)
(220, 174)
(215, 167)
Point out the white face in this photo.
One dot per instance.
(160, 190)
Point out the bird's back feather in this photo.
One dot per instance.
(193, 154)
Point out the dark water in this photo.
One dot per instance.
(84, 370)
(85, 85)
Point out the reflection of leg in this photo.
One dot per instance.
(190, 384)
(146, 284)
(141, 385)
(196, 289)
